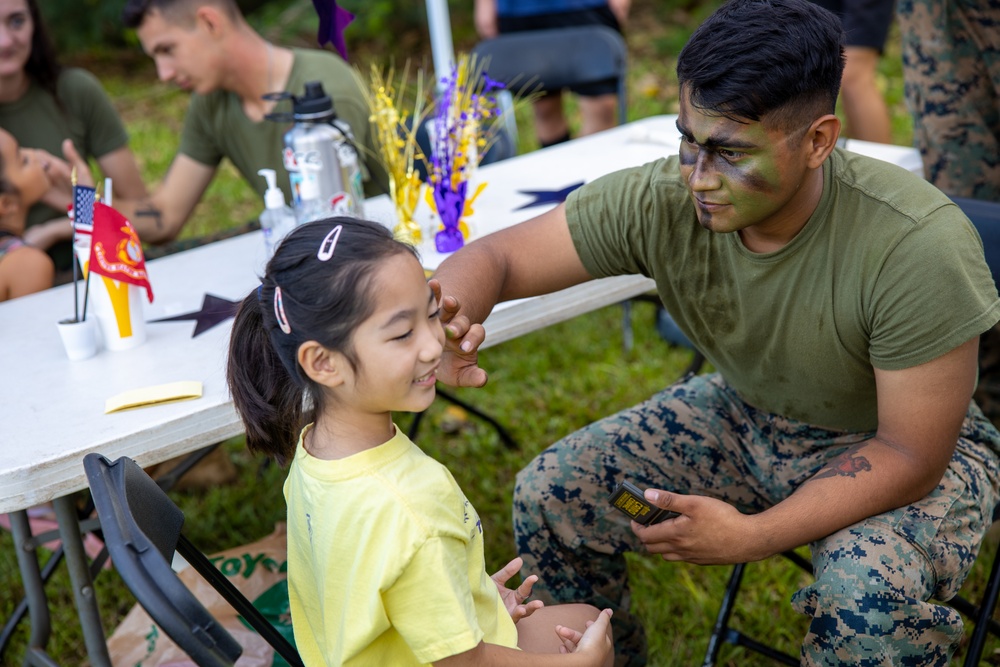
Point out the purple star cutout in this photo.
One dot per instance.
(547, 196)
(333, 19)
(214, 310)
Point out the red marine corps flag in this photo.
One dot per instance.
(115, 250)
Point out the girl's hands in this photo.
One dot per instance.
(596, 638)
(514, 599)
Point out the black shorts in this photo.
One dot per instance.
(866, 22)
(598, 16)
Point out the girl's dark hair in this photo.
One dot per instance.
(42, 66)
(755, 57)
(323, 301)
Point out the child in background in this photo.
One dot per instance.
(23, 268)
(385, 554)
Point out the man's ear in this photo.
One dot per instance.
(821, 139)
(323, 366)
(214, 20)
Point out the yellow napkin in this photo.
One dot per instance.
(161, 393)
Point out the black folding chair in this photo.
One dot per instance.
(142, 530)
(986, 218)
(555, 59)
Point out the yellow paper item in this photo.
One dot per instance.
(161, 393)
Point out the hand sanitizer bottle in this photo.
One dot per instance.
(277, 218)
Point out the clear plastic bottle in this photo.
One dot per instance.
(277, 218)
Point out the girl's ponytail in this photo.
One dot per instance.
(268, 399)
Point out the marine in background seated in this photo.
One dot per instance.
(208, 48)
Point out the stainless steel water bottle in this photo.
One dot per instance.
(315, 152)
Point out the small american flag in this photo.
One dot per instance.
(83, 209)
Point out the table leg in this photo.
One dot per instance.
(83, 583)
(34, 590)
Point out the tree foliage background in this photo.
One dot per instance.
(394, 27)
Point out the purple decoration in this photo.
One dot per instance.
(333, 19)
(450, 204)
(447, 166)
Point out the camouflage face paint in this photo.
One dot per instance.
(740, 175)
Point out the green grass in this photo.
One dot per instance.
(543, 386)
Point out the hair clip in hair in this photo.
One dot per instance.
(279, 312)
(260, 292)
(329, 244)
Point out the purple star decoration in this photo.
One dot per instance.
(333, 19)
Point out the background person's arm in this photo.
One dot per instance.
(921, 410)
(120, 166)
(160, 217)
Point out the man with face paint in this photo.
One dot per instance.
(840, 299)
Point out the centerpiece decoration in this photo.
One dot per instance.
(461, 130)
(395, 132)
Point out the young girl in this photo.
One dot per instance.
(385, 554)
(23, 269)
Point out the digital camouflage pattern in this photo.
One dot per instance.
(869, 603)
(951, 67)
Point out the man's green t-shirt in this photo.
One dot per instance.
(83, 113)
(887, 273)
(216, 126)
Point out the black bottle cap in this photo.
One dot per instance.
(314, 102)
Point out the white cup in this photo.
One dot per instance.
(79, 338)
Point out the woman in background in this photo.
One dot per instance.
(42, 104)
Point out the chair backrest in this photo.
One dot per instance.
(558, 58)
(142, 529)
(985, 215)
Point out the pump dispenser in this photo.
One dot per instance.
(277, 218)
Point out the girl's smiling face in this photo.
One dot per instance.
(398, 348)
(22, 171)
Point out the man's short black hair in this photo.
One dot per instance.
(751, 59)
(135, 11)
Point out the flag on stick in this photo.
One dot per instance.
(83, 208)
(115, 250)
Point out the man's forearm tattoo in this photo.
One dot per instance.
(845, 465)
(147, 210)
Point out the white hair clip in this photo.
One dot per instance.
(279, 312)
(329, 244)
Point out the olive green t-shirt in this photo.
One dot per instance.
(86, 116)
(216, 126)
(886, 273)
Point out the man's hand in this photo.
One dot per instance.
(60, 173)
(708, 532)
(460, 362)
(514, 599)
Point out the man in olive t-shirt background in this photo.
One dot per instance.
(207, 47)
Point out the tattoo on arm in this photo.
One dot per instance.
(147, 210)
(847, 464)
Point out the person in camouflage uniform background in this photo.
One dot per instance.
(951, 68)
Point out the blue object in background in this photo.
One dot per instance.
(669, 331)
